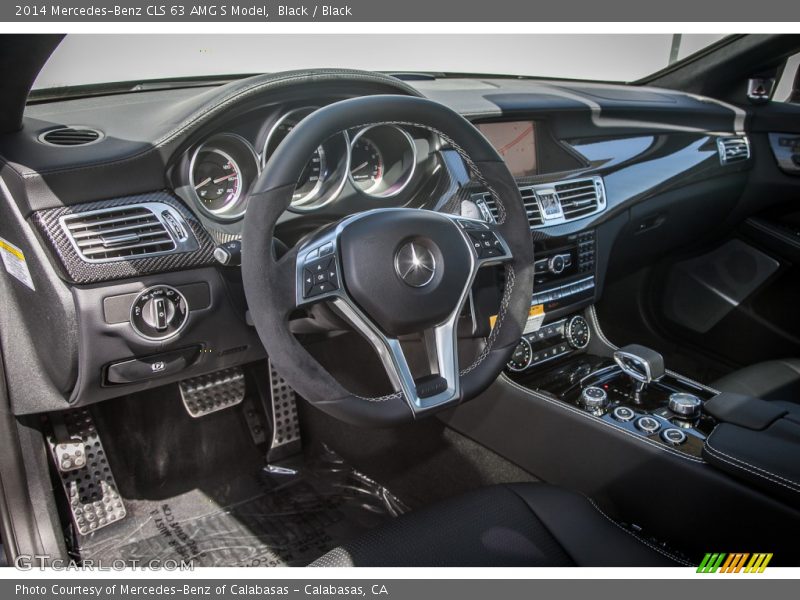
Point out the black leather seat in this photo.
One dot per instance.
(524, 524)
(774, 380)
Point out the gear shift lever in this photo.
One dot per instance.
(641, 364)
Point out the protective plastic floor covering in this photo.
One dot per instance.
(258, 520)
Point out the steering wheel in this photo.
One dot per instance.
(391, 272)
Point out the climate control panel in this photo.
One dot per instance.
(550, 341)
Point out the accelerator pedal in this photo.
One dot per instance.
(285, 422)
(84, 471)
(206, 394)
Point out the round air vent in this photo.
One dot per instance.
(74, 135)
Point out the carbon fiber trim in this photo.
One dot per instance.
(79, 271)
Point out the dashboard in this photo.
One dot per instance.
(134, 218)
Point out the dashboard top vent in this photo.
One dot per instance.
(556, 203)
(74, 135)
(733, 149)
(128, 232)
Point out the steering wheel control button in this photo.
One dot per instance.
(594, 398)
(320, 277)
(159, 312)
(326, 249)
(685, 405)
(673, 436)
(430, 386)
(648, 425)
(623, 414)
(486, 243)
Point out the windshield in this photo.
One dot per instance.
(102, 59)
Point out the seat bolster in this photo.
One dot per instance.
(586, 533)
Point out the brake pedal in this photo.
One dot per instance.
(283, 415)
(206, 394)
(84, 471)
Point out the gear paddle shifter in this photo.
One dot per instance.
(641, 364)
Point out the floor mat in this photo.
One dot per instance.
(259, 519)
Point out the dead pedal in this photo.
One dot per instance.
(283, 415)
(206, 394)
(85, 473)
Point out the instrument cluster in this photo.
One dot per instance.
(377, 162)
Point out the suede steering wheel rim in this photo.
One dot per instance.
(389, 271)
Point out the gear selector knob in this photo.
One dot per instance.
(641, 364)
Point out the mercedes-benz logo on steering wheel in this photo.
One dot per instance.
(415, 264)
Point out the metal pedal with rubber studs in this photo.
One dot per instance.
(206, 394)
(84, 470)
(285, 421)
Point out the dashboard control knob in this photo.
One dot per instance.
(685, 405)
(556, 264)
(577, 332)
(673, 436)
(521, 357)
(623, 413)
(648, 425)
(159, 312)
(594, 398)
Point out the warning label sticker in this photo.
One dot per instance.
(14, 261)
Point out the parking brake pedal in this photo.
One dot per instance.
(84, 470)
(284, 419)
(206, 394)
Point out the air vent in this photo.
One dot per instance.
(71, 136)
(564, 201)
(733, 149)
(128, 232)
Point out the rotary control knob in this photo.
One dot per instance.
(594, 398)
(556, 264)
(685, 405)
(159, 312)
(576, 330)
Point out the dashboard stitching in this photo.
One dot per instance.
(234, 96)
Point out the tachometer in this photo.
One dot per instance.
(366, 165)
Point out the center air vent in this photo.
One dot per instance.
(733, 149)
(128, 232)
(71, 136)
(556, 203)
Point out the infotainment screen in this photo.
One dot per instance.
(515, 141)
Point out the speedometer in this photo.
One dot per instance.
(366, 164)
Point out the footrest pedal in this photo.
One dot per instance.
(206, 394)
(78, 453)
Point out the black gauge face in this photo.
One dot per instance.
(578, 332)
(217, 180)
(311, 179)
(366, 165)
(521, 357)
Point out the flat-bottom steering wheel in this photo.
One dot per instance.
(391, 272)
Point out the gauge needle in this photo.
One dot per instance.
(205, 181)
(359, 167)
(221, 179)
